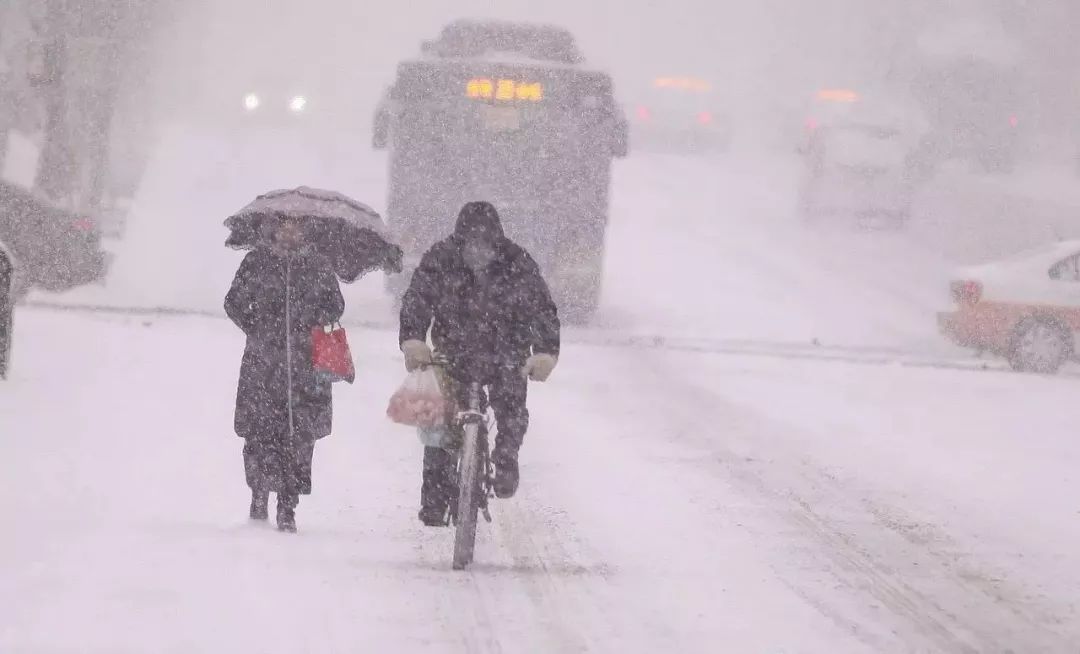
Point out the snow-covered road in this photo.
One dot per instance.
(671, 502)
(678, 493)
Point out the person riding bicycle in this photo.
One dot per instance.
(491, 316)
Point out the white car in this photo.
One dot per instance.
(1025, 307)
(856, 164)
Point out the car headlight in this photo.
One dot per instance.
(252, 102)
(298, 104)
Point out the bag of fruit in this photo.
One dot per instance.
(419, 401)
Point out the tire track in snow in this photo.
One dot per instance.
(571, 584)
(921, 586)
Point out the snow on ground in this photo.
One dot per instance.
(670, 502)
(674, 500)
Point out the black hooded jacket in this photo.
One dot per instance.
(496, 317)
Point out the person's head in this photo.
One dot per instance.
(284, 234)
(479, 230)
(478, 220)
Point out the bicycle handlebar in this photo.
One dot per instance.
(445, 361)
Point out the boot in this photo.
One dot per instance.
(260, 503)
(286, 514)
(435, 491)
(505, 461)
(433, 516)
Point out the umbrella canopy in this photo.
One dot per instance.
(306, 202)
(348, 232)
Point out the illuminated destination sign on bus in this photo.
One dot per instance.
(505, 90)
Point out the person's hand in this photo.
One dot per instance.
(539, 367)
(417, 354)
(393, 263)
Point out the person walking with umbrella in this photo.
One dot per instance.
(286, 289)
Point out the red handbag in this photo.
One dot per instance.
(331, 355)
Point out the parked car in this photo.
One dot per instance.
(53, 249)
(1025, 308)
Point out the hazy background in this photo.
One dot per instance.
(767, 55)
(179, 58)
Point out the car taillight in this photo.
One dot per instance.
(704, 117)
(1014, 121)
(967, 292)
(643, 113)
(811, 124)
(83, 225)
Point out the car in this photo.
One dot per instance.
(251, 98)
(1025, 308)
(827, 107)
(53, 249)
(509, 113)
(681, 115)
(267, 100)
(281, 105)
(856, 163)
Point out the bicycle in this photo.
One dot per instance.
(473, 477)
(473, 471)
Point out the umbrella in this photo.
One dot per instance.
(348, 232)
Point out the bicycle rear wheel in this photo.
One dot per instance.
(468, 498)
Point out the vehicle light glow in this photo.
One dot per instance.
(682, 84)
(967, 292)
(504, 90)
(704, 118)
(838, 95)
(1014, 121)
(644, 114)
(251, 102)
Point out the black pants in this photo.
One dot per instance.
(507, 396)
(277, 466)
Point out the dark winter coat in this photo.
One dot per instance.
(277, 300)
(495, 318)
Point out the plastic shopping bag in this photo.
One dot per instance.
(419, 401)
(442, 436)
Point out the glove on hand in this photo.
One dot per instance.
(538, 367)
(417, 354)
(393, 263)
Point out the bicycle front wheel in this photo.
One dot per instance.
(468, 498)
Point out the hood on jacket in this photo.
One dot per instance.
(479, 221)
